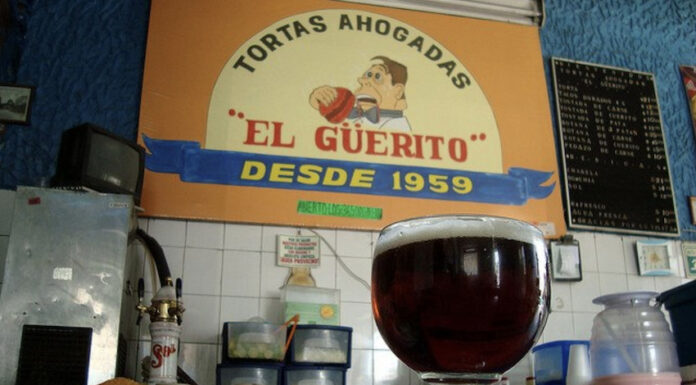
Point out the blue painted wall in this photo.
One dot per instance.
(85, 57)
(653, 36)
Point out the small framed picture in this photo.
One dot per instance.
(15, 103)
(654, 257)
(689, 254)
(565, 259)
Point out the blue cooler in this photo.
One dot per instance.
(681, 304)
(551, 361)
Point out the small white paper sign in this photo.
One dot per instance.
(547, 228)
(62, 273)
(689, 254)
(297, 251)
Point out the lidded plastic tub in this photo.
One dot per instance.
(631, 335)
(314, 376)
(254, 340)
(314, 305)
(321, 344)
(245, 374)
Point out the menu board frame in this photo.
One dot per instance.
(568, 201)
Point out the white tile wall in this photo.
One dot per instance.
(242, 237)
(610, 254)
(201, 319)
(241, 273)
(175, 261)
(205, 235)
(202, 271)
(390, 370)
(4, 240)
(238, 309)
(351, 289)
(6, 209)
(168, 232)
(359, 317)
(229, 274)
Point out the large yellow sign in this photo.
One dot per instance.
(323, 113)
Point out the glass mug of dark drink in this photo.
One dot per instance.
(460, 299)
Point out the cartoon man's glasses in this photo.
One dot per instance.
(377, 77)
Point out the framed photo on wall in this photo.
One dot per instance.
(15, 103)
(689, 77)
(565, 259)
(654, 258)
(689, 255)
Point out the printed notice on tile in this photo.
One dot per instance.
(615, 160)
(298, 251)
(689, 254)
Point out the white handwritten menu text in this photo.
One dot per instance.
(614, 156)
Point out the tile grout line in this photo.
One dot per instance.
(260, 284)
(218, 353)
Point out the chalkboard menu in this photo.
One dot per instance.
(614, 157)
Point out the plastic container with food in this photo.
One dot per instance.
(249, 374)
(314, 305)
(321, 344)
(254, 340)
(314, 375)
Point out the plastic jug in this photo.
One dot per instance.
(631, 335)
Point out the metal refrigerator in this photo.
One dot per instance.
(64, 303)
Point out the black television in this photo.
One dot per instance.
(93, 158)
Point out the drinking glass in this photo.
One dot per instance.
(459, 298)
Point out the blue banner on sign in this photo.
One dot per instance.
(196, 165)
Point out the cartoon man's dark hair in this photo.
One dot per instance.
(397, 70)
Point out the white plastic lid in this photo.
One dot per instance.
(248, 381)
(315, 381)
(165, 293)
(257, 338)
(292, 293)
(627, 298)
(324, 343)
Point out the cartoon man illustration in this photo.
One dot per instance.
(379, 100)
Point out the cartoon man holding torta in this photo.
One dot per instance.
(379, 101)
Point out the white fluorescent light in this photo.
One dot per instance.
(527, 12)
